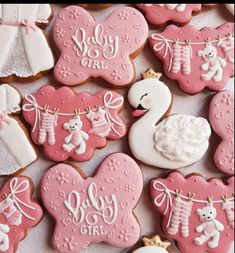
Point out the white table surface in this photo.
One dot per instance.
(38, 239)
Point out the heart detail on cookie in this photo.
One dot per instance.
(88, 205)
(101, 48)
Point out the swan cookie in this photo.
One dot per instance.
(16, 151)
(72, 125)
(25, 53)
(196, 59)
(160, 14)
(17, 213)
(174, 142)
(92, 210)
(198, 214)
(153, 245)
(221, 115)
(103, 49)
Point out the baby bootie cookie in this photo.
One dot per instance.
(94, 209)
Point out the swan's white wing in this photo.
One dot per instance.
(179, 137)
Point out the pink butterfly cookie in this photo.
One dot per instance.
(198, 214)
(160, 14)
(196, 58)
(221, 115)
(92, 48)
(72, 125)
(17, 213)
(91, 210)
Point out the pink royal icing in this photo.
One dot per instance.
(17, 212)
(221, 115)
(92, 48)
(94, 209)
(196, 58)
(160, 14)
(200, 219)
(60, 122)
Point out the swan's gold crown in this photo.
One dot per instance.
(150, 73)
(156, 241)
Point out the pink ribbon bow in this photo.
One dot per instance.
(4, 119)
(29, 25)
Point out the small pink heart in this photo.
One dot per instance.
(124, 204)
(67, 43)
(66, 221)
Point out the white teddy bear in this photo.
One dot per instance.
(210, 227)
(76, 138)
(213, 63)
(4, 239)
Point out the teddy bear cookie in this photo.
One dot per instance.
(18, 212)
(221, 115)
(174, 142)
(198, 214)
(161, 14)
(70, 125)
(196, 59)
(153, 245)
(25, 53)
(103, 49)
(12, 134)
(92, 210)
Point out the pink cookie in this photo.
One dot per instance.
(221, 114)
(73, 125)
(92, 48)
(196, 58)
(160, 14)
(91, 210)
(198, 214)
(17, 213)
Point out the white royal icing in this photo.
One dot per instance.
(24, 48)
(150, 249)
(155, 96)
(16, 150)
(4, 239)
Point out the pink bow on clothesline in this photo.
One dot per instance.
(29, 25)
(4, 119)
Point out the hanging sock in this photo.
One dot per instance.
(176, 60)
(228, 206)
(227, 47)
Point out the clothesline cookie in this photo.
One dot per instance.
(103, 49)
(153, 245)
(221, 115)
(196, 59)
(161, 14)
(198, 214)
(25, 54)
(18, 212)
(16, 151)
(70, 125)
(94, 209)
(174, 142)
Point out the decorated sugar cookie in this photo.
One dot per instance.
(72, 125)
(174, 142)
(153, 245)
(196, 58)
(221, 115)
(24, 52)
(17, 213)
(160, 14)
(198, 214)
(91, 210)
(16, 151)
(103, 49)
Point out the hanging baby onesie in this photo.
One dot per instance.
(181, 211)
(47, 129)
(99, 124)
(16, 152)
(24, 48)
(228, 206)
(228, 48)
